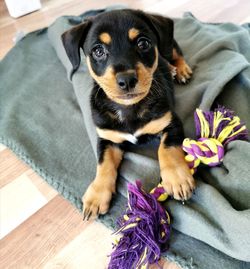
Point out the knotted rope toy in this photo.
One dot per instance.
(145, 227)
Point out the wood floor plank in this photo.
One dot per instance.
(18, 201)
(47, 191)
(165, 265)
(245, 19)
(213, 10)
(95, 241)
(2, 147)
(165, 8)
(42, 236)
(10, 167)
(90, 249)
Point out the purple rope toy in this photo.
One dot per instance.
(145, 231)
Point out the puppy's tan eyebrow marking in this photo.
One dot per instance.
(133, 33)
(105, 38)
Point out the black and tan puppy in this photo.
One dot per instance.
(130, 56)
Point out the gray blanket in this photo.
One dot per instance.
(48, 125)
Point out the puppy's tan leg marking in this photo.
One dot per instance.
(183, 71)
(97, 198)
(176, 177)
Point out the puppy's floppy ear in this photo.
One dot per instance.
(164, 29)
(73, 40)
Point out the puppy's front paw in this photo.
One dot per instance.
(183, 71)
(178, 182)
(96, 200)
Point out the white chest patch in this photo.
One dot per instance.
(129, 137)
(153, 127)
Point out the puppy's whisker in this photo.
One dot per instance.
(157, 87)
(156, 90)
(162, 86)
(98, 90)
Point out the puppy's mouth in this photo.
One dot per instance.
(130, 95)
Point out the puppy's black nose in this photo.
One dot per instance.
(126, 80)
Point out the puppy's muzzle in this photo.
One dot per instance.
(126, 81)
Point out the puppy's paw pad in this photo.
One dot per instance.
(95, 201)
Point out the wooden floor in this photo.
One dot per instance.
(38, 228)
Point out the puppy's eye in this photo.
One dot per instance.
(143, 44)
(99, 52)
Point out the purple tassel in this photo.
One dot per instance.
(145, 231)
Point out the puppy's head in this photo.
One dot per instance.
(122, 49)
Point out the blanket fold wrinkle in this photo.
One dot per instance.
(48, 124)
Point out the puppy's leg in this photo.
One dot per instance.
(176, 177)
(183, 71)
(97, 197)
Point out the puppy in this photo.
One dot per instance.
(131, 56)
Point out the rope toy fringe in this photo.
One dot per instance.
(145, 231)
(145, 226)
